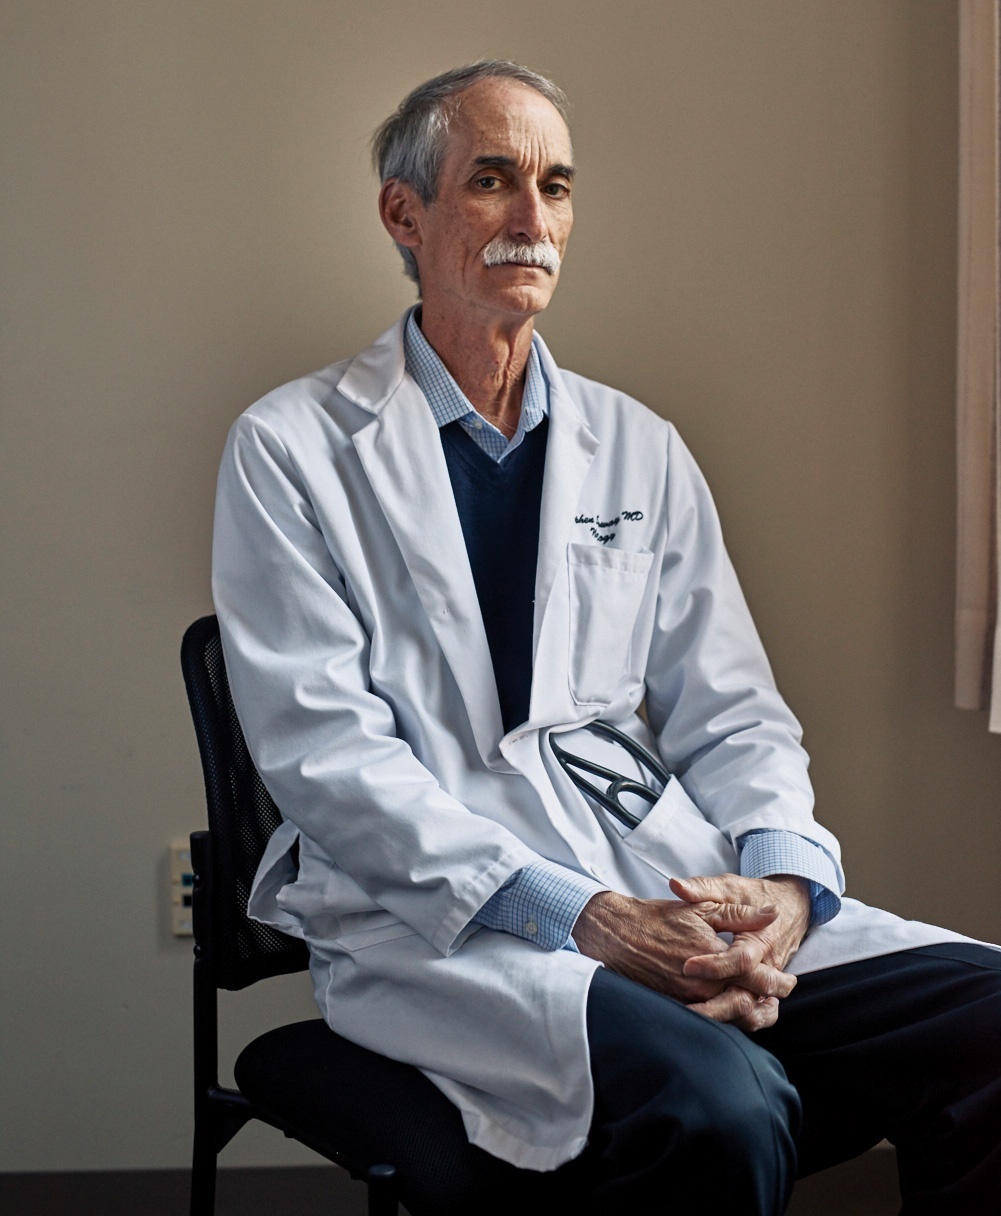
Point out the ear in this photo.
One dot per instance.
(400, 210)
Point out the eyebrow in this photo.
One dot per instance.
(508, 162)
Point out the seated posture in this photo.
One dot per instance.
(437, 566)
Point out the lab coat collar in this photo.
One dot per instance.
(402, 456)
(373, 376)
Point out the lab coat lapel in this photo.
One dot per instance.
(401, 453)
(570, 451)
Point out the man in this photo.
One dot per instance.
(435, 565)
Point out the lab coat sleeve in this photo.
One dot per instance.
(326, 746)
(720, 722)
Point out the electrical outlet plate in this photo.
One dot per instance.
(181, 882)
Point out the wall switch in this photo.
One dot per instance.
(182, 880)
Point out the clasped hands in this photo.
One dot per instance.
(673, 946)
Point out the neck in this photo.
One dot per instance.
(487, 361)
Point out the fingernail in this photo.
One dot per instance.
(767, 909)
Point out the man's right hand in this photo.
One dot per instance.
(650, 940)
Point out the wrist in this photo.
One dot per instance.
(596, 924)
(793, 892)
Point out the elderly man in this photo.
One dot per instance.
(437, 565)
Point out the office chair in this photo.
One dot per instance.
(381, 1120)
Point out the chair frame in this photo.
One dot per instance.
(221, 1112)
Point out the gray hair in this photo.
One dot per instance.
(410, 144)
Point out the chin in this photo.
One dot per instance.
(527, 299)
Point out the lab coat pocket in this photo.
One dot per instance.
(677, 840)
(606, 589)
(379, 927)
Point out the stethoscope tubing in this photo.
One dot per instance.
(609, 799)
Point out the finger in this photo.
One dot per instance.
(720, 888)
(733, 1004)
(764, 1014)
(768, 981)
(726, 965)
(776, 949)
(692, 890)
(727, 1006)
(758, 977)
(740, 1008)
(736, 918)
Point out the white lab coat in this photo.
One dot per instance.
(362, 677)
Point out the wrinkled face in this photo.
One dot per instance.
(504, 185)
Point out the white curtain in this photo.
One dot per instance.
(978, 634)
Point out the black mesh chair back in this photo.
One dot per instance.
(242, 817)
(233, 951)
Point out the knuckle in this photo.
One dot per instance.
(765, 981)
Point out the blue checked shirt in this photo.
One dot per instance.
(542, 901)
(449, 404)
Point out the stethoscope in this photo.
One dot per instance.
(609, 798)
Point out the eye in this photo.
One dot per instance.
(556, 190)
(488, 182)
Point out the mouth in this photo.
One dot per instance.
(525, 266)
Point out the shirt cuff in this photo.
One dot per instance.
(540, 902)
(768, 851)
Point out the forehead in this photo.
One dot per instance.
(504, 117)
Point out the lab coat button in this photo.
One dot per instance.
(531, 928)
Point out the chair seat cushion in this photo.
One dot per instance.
(350, 1103)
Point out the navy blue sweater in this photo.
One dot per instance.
(499, 505)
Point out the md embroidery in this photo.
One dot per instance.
(596, 524)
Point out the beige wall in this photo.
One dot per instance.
(764, 252)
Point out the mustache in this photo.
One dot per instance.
(538, 253)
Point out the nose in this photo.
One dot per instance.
(528, 221)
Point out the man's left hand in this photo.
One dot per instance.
(774, 945)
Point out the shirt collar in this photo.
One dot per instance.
(448, 402)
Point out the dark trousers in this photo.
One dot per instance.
(694, 1116)
(690, 1114)
(907, 1047)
